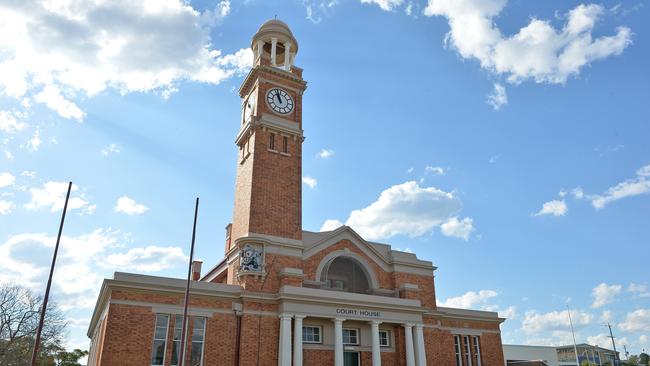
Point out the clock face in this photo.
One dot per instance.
(279, 100)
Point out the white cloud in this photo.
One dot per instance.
(629, 188)
(640, 289)
(436, 170)
(82, 264)
(325, 153)
(603, 340)
(469, 300)
(386, 5)
(405, 209)
(6, 179)
(28, 173)
(34, 143)
(148, 259)
(51, 97)
(52, 196)
(9, 122)
(498, 98)
(55, 52)
(458, 228)
(494, 158)
(509, 313)
(6, 207)
(128, 206)
(534, 322)
(636, 321)
(555, 208)
(330, 225)
(537, 51)
(604, 294)
(310, 182)
(110, 149)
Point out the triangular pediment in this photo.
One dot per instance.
(317, 242)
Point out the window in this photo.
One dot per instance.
(384, 338)
(335, 284)
(311, 334)
(468, 351)
(477, 351)
(285, 144)
(159, 340)
(350, 336)
(272, 141)
(198, 335)
(178, 326)
(459, 359)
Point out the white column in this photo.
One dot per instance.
(420, 352)
(338, 342)
(297, 340)
(274, 43)
(287, 55)
(260, 48)
(376, 350)
(408, 338)
(284, 344)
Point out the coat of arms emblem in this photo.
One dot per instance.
(250, 259)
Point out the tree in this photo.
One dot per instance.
(64, 358)
(19, 317)
(644, 359)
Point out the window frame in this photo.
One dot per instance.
(192, 341)
(468, 350)
(356, 336)
(458, 349)
(320, 333)
(477, 350)
(155, 328)
(272, 141)
(388, 337)
(285, 144)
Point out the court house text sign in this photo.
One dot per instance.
(358, 312)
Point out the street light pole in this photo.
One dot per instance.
(611, 335)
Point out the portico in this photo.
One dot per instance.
(348, 324)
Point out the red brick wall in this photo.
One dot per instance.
(268, 189)
(129, 336)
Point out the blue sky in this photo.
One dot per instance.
(506, 141)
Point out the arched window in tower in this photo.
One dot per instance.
(285, 144)
(272, 141)
(345, 274)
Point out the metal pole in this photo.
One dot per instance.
(575, 347)
(181, 356)
(611, 335)
(37, 341)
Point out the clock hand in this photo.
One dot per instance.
(277, 94)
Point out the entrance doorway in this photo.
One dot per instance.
(350, 358)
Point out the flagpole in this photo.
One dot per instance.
(575, 347)
(187, 288)
(37, 341)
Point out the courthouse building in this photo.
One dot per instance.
(281, 295)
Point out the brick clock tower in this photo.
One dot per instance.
(268, 190)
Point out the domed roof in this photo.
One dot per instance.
(275, 28)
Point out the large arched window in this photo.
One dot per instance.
(345, 274)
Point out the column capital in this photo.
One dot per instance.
(374, 322)
(418, 326)
(338, 320)
(298, 316)
(285, 316)
(408, 325)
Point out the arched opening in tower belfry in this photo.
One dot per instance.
(345, 274)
